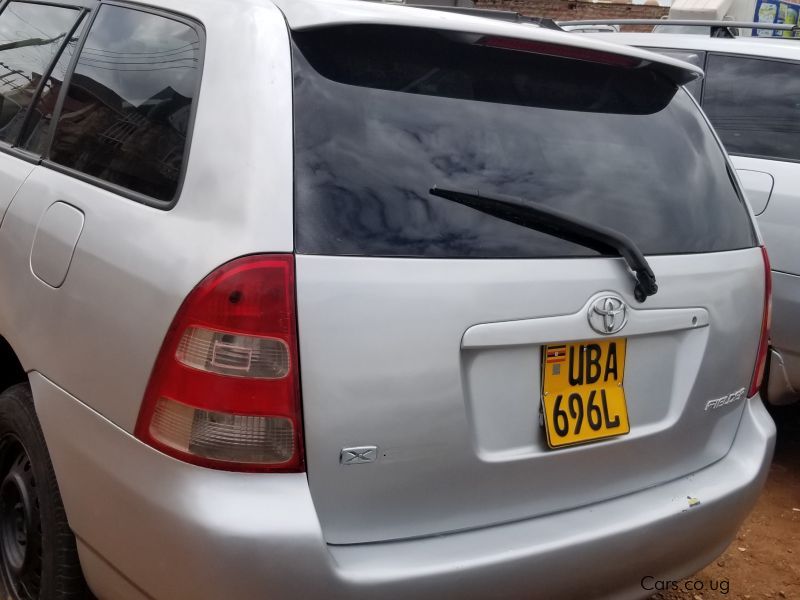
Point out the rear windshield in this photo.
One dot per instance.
(382, 114)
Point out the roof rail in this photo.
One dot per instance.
(718, 28)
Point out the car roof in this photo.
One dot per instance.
(768, 47)
(308, 14)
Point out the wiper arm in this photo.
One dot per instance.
(564, 226)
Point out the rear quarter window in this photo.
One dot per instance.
(754, 104)
(382, 114)
(31, 37)
(125, 118)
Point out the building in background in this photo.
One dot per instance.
(565, 10)
(760, 11)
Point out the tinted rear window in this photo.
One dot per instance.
(753, 104)
(383, 114)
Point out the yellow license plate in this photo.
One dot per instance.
(583, 398)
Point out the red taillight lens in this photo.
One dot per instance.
(559, 50)
(224, 392)
(766, 323)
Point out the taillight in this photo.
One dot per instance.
(224, 392)
(766, 323)
(559, 50)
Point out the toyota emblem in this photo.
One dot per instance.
(608, 315)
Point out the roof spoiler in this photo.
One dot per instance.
(308, 14)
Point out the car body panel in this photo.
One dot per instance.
(757, 186)
(149, 259)
(13, 173)
(210, 534)
(786, 306)
(443, 422)
(779, 223)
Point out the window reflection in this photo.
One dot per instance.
(37, 128)
(126, 114)
(379, 120)
(754, 105)
(31, 35)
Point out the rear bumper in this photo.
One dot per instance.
(150, 526)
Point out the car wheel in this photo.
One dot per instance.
(38, 557)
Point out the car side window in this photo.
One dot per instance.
(753, 104)
(693, 57)
(31, 37)
(37, 127)
(126, 114)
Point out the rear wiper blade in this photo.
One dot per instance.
(553, 222)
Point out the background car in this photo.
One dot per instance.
(750, 95)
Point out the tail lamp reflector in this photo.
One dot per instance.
(224, 392)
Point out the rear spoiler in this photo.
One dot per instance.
(309, 14)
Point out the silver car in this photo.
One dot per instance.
(337, 299)
(749, 95)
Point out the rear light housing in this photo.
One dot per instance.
(225, 392)
(766, 323)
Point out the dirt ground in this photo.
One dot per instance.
(764, 560)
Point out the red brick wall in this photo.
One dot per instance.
(576, 9)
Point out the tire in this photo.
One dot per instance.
(38, 557)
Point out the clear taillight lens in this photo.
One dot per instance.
(224, 392)
(235, 355)
(223, 436)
